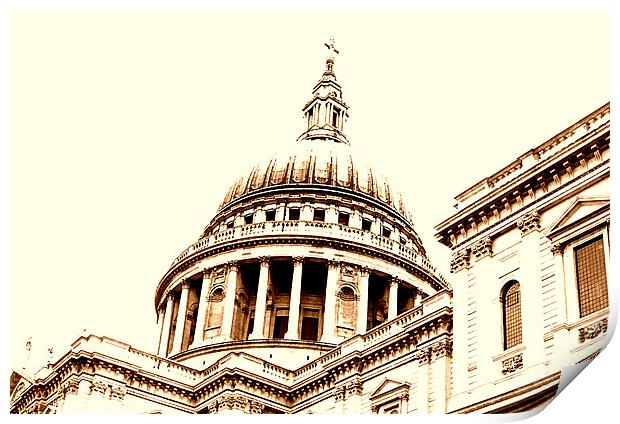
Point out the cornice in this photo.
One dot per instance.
(515, 192)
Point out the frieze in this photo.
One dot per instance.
(528, 222)
(592, 331)
(513, 364)
(460, 260)
(482, 248)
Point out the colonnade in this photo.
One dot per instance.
(259, 330)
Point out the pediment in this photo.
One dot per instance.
(389, 387)
(581, 211)
(19, 383)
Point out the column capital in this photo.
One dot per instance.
(206, 272)
(232, 265)
(557, 249)
(365, 271)
(482, 248)
(298, 260)
(528, 222)
(264, 260)
(394, 281)
(441, 348)
(460, 260)
(423, 356)
(333, 264)
(185, 283)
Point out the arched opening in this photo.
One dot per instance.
(511, 311)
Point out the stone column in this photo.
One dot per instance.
(258, 332)
(393, 298)
(417, 298)
(160, 321)
(531, 290)
(560, 336)
(462, 358)
(295, 301)
(202, 308)
(487, 310)
(362, 310)
(440, 372)
(229, 300)
(163, 345)
(181, 318)
(329, 317)
(424, 359)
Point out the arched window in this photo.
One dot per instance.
(511, 306)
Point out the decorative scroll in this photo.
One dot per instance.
(557, 249)
(528, 223)
(592, 331)
(423, 356)
(460, 260)
(513, 364)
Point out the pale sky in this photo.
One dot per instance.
(128, 128)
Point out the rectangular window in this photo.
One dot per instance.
(248, 219)
(319, 215)
(385, 231)
(591, 277)
(366, 224)
(334, 119)
(343, 218)
(280, 326)
(270, 215)
(403, 240)
(293, 214)
(310, 328)
(230, 224)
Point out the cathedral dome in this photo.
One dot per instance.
(318, 163)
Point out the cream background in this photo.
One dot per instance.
(128, 127)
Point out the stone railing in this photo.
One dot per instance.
(389, 328)
(310, 228)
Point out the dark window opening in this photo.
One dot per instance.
(343, 218)
(293, 214)
(319, 215)
(334, 118)
(366, 223)
(511, 303)
(250, 327)
(386, 232)
(248, 219)
(403, 240)
(310, 329)
(270, 215)
(280, 326)
(230, 224)
(591, 277)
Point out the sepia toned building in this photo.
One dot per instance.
(310, 291)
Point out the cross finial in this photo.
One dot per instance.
(332, 47)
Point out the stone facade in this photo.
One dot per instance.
(310, 292)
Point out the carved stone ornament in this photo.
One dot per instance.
(510, 365)
(99, 387)
(298, 260)
(482, 248)
(118, 392)
(256, 408)
(70, 387)
(460, 260)
(333, 264)
(557, 249)
(374, 409)
(264, 260)
(528, 223)
(340, 393)
(232, 266)
(592, 331)
(355, 388)
(442, 348)
(423, 356)
(365, 271)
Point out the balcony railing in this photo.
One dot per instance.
(311, 228)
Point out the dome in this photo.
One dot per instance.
(317, 162)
